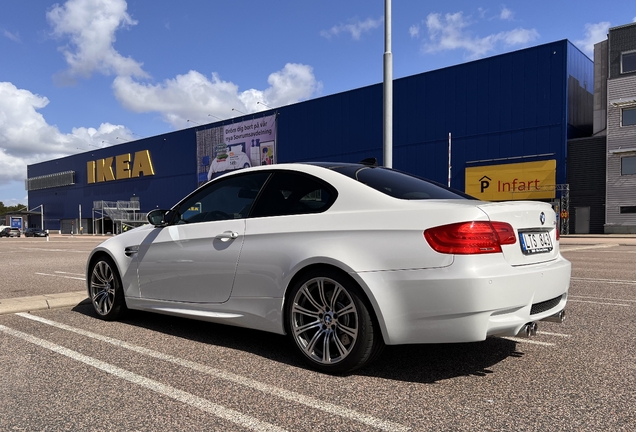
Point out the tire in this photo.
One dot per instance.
(105, 289)
(330, 323)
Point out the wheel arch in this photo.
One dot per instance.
(366, 295)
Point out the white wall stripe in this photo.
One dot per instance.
(171, 392)
(228, 376)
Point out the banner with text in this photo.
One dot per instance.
(235, 146)
(515, 181)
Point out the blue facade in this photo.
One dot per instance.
(515, 107)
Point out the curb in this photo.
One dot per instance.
(41, 302)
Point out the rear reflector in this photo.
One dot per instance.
(466, 238)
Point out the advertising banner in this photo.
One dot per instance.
(16, 222)
(516, 181)
(235, 146)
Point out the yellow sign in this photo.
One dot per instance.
(517, 181)
(126, 167)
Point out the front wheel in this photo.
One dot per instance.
(105, 289)
(330, 323)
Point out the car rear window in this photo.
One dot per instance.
(396, 183)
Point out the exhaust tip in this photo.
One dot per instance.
(528, 330)
(558, 317)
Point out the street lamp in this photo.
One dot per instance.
(234, 109)
(266, 106)
(190, 121)
(218, 118)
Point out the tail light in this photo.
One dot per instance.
(470, 237)
(558, 234)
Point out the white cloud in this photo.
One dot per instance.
(15, 37)
(450, 32)
(26, 137)
(354, 28)
(193, 96)
(506, 14)
(594, 33)
(90, 27)
(414, 31)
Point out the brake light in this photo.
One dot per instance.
(466, 238)
(558, 234)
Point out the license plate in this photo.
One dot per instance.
(535, 242)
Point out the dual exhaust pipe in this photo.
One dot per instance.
(530, 329)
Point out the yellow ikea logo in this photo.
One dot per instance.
(125, 167)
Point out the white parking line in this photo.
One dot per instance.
(76, 274)
(530, 341)
(171, 392)
(598, 303)
(228, 376)
(55, 250)
(578, 248)
(610, 281)
(541, 332)
(56, 275)
(601, 298)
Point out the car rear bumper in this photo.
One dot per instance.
(471, 299)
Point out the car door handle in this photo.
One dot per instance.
(227, 235)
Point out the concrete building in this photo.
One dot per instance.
(620, 53)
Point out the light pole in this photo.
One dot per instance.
(388, 88)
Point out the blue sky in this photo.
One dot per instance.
(81, 74)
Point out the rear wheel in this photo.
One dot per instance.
(107, 295)
(330, 323)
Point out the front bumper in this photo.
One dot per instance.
(475, 297)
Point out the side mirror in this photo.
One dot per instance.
(160, 218)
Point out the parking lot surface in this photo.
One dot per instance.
(63, 369)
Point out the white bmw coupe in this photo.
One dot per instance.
(344, 258)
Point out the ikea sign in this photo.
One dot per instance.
(120, 167)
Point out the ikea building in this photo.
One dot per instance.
(506, 120)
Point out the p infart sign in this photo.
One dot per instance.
(517, 181)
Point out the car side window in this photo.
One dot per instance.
(226, 198)
(293, 193)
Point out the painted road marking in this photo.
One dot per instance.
(228, 376)
(166, 390)
(611, 281)
(56, 275)
(578, 248)
(530, 341)
(541, 332)
(598, 303)
(601, 298)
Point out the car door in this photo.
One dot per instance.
(194, 259)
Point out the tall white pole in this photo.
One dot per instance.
(79, 226)
(388, 88)
(42, 216)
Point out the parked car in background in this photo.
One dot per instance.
(10, 232)
(35, 232)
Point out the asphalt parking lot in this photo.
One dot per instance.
(63, 369)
